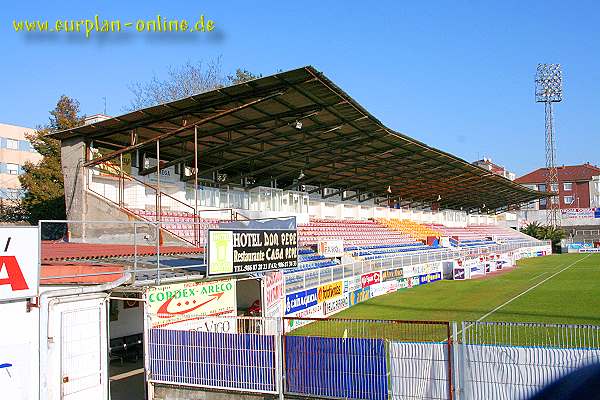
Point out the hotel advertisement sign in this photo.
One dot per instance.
(246, 251)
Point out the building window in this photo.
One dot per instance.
(12, 144)
(542, 188)
(12, 169)
(568, 186)
(554, 187)
(569, 199)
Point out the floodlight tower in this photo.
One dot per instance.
(548, 90)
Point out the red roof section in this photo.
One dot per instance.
(53, 251)
(567, 173)
(72, 273)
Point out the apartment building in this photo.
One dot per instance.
(15, 151)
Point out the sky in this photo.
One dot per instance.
(457, 75)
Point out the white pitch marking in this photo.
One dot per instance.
(526, 291)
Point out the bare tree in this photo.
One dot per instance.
(183, 81)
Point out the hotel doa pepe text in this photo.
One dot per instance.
(245, 251)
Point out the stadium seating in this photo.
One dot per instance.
(357, 233)
(476, 232)
(414, 229)
(181, 223)
(386, 251)
(308, 259)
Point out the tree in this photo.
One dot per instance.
(43, 182)
(542, 232)
(184, 81)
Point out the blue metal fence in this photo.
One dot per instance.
(336, 367)
(244, 362)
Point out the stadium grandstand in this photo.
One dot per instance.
(272, 147)
(372, 209)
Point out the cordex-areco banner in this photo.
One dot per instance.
(300, 300)
(189, 305)
(245, 251)
(19, 262)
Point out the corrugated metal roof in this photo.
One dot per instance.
(249, 130)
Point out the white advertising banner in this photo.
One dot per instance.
(190, 306)
(336, 305)
(19, 262)
(419, 371)
(511, 372)
(331, 248)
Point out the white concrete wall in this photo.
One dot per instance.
(19, 346)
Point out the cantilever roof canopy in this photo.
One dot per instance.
(299, 124)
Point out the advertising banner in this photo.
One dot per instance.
(392, 274)
(352, 284)
(111, 168)
(382, 288)
(19, 262)
(313, 310)
(335, 305)
(273, 287)
(298, 301)
(245, 251)
(330, 291)
(187, 305)
(331, 248)
(370, 279)
(571, 213)
(458, 274)
(358, 296)
(167, 175)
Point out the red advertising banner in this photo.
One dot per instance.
(370, 279)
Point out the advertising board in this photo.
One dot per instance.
(370, 279)
(335, 305)
(392, 274)
(273, 293)
(352, 284)
(243, 251)
(299, 301)
(330, 291)
(331, 248)
(571, 213)
(382, 288)
(190, 305)
(458, 274)
(19, 262)
(358, 296)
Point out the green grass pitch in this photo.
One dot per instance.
(571, 296)
(552, 289)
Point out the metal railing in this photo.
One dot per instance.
(515, 360)
(301, 280)
(132, 194)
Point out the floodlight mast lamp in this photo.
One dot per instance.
(548, 90)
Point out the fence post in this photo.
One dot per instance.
(279, 358)
(457, 363)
